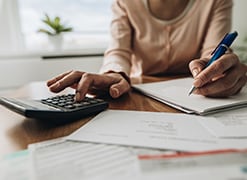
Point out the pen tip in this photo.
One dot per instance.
(191, 90)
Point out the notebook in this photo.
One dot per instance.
(175, 94)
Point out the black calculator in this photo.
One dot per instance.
(60, 108)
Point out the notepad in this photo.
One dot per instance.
(175, 94)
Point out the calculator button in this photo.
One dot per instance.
(61, 104)
(99, 100)
(85, 103)
(69, 107)
(54, 102)
(93, 101)
(78, 104)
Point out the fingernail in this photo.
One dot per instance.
(115, 92)
(195, 72)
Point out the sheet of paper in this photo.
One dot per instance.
(154, 130)
(224, 166)
(229, 124)
(16, 166)
(61, 159)
(175, 93)
(70, 160)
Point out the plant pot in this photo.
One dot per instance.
(56, 41)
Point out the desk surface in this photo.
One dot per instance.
(16, 131)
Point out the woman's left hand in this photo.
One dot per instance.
(224, 77)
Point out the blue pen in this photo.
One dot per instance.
(220, 50)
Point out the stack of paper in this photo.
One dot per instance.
(60, 159)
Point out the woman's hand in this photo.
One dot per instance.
(224, 77)
(113, 83)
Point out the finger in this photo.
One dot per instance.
(231, 91)
(227, 85)
(54, 80)
(216, 69)
(83, 86)
(196, 66)
(111, 86)
(118, 89)
(93, 81)
(67, 81)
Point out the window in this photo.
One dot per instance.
(10, 38)
(90, 20)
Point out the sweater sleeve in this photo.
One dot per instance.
(219, 25)
(117, 57)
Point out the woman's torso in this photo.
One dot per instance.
(160, 46)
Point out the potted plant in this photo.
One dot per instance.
(54, 30)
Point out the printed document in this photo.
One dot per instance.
(228, 124)
(169, 131)
(60, 159)
(218, 166)
(63, 160)
(175, 93)
(16, 166)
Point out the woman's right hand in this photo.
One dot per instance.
(113, 83)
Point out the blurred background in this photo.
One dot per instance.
(28, 55)
(21, 20)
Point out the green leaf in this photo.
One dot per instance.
(45, 31)
(54, 26)
(57, 21)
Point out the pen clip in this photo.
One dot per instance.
(220, 44)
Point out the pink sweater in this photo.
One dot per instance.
(144, 45)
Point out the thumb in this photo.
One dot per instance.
(118, 89)
(196, 66)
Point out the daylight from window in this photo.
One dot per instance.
(90, 20)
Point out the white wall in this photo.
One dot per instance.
(10, 38)
(17, 72)
(240, 20)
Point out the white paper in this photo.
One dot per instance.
(16, 166)
(225, 166)
(229, 124)
(175, 93)
(154, 130)
(74, 160)
(61, 159)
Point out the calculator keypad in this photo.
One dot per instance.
(67, 102)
